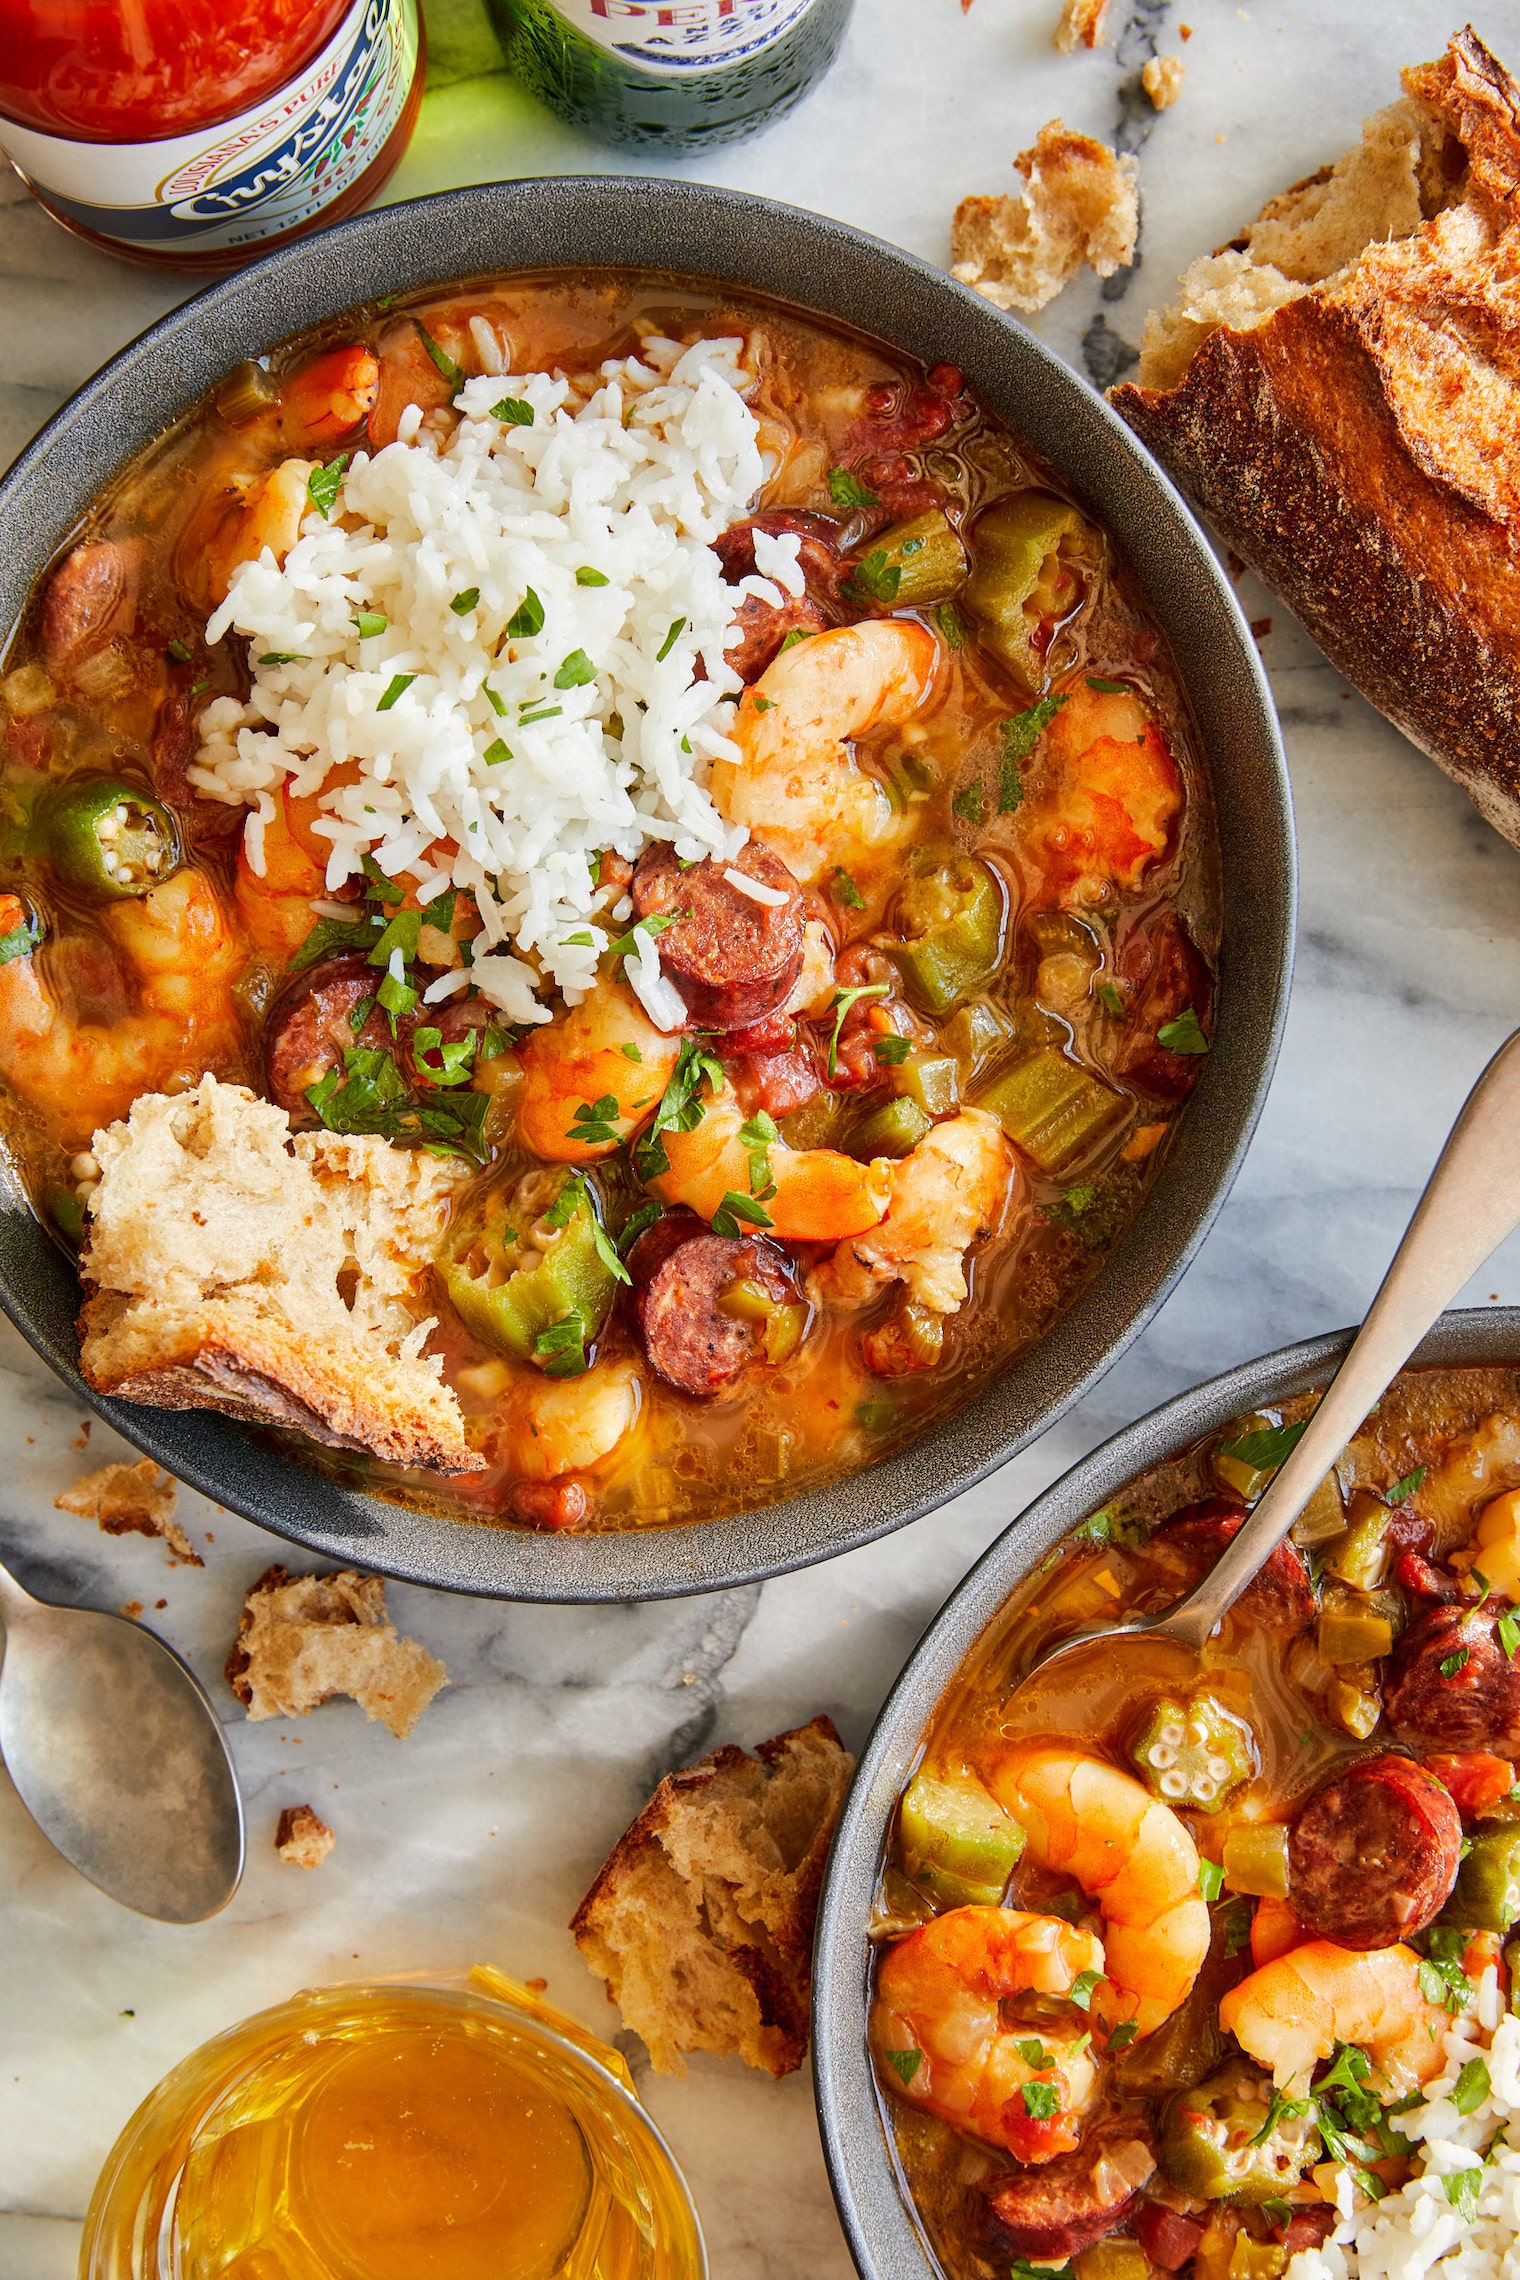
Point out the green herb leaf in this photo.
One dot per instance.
(380, 888)
(681, 1108)
(456, 1057)
(844, 890)
(759, 1136)
(798, 633)
(1405, 1487)
(595, 1122)
(396, 998)
(892, 1051)
(1507, 1627)
(367, 623)
(284, 657)
(584, 940)
(398, 686)
(324, 483)
(677, 628)
(561, 1348)
(736, 1208)
(951, 624)
(1210, 1879)
(1281, 2109)
(360, 1013)
(1081, 1989)
(513, 412)
(1020, 2270)
(846, 490)
(527, 618)
(496, 703)
(497, 752)
(1184, 1035)
(1121, 2036)
(1041, 2099)
(401, 932)
(586, 576)
(876, 579)
(1110, 995)
(763, 704)
(970, 803)
(1078, 1199)
(568, 1202)
(1235, 1917)
(1022, 732)
(1108, 688)
(1463, 2187)
(1265, 1449)
(636, 1224)
(547, 712)
(199, 688)
(1471, 2087)
(1450, 1665)
(905, 2064)
(577, 672)
(655, 924)
(21, 940)
(630, 1052)
(1034, 2053)
(329, 934)
(176, 652)
(606, 1251)
(843, 1001)
(452, 372)
(463, 603)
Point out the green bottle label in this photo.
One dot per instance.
(684, 39)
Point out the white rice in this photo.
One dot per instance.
(633, 484)
(1417, 2230)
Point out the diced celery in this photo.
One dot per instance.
(933, 1080)
(1351, 1635)
(950, 923)
(1052, 1108)
(1255, 1859)
(1361, 1555)
(894, 1129)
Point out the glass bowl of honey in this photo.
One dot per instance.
(447, 2126)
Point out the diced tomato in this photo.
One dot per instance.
(1032, 2139)
(1167, 2238)
(1274, 1931)
(1477, 1779)
(1416, 1574)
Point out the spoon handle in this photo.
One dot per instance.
(14, 1602)
(1471, 1202)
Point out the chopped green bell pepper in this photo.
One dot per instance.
(1052, 1108)
(957, 1842)
(1194, 1753)
(926, 554)
(894, 1129)
(1487, 1893)
(1255, 1859)
(542, 1305)
(1022, 551)
(1361, 1557)
(975, 1033)
(950, 920)
(932, 1080)
(109, 839)
(1229, 2140)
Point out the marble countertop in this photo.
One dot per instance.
(475, 1838)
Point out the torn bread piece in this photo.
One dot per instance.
(1080, 206)
(1339, 390)
(1081, 24)
(303, 1839)
(1161, 76)
(302, 1639)
(132, 1500)
(281, 1281)
(701, 1922)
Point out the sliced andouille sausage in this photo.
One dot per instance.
(1052, 2213)
(90, 596)
(680, 1271)
(311, 1027)
(1450, 1684)
(1186, 1546)
(818, 556)
(1373, 1856)
(764, 629)
(1167, 975)
(1167, 2237)
(733, 957)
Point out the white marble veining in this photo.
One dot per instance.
(476, 1837)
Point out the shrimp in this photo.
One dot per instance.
(819, 1195)
(940, 1994)
(180, 956)
(1130, 1853)
(1292, 2012)
(563, 1425)
(328, 397)
(275, 907)
(1111, 798)
(947, 1193)
(796, 784)
(269, 515)
(603, 1055)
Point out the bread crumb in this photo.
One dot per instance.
(82, 1437)
(1261, 627)
(281, 1280)
(302, 1639)
(132, 1607)
(1162, 78)
(1184, 31)
(302, 1838)
(132, 1500)
(1080, 206)
(1081, 24)
(1219, 289)
(701, 1921)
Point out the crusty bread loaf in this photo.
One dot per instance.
(302, 1639)
(1339, 390)
(1080, 204)
(282, 1282)
(701, 1922)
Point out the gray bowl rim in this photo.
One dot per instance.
(692, 229)
(884, 2236)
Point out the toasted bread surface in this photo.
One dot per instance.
(302, 1639)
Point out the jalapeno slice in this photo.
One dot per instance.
(951, 922)
(109, 839)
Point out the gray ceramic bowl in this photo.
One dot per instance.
(841, 273)
(879, 2223)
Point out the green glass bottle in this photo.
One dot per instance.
(670, 75)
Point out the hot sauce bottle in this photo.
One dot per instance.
(196, 134)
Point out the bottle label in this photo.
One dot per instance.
(684, 38)
(272, 169)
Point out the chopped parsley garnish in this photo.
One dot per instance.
(1281, 2109)
(497, 752)
(330, 934)
(798, 633)
(844, 890)
(734, 1208)
(763, 704)
(527, 618)
(595, 1122)
(1041, 2099)
(1081, 1989)
(681, 1107)
(677, 628)
(560, 1350)
(545, 712)
(360, 1013)
(970, 803)
(462, 604)
(636, 1224)
(1265, 1449)
(1235, 1920)
(324, 483)
(847, 490)
(1034, 2053)
(1121, 2036)
(759, 1136)
(283, 657)
(1507, 1627)
(843, 1001)
(586, 576)
(892, 1050)
(577, 671)
(875, 579)
(395, 998)
(630, 1052)
(1021, 732)
(951, 624)
(21, 939)
(1184, 1035)
(625, 945)
(456, 1055)
(371, 1096)
(176, 652)
(1442, 1979)
(1462, 2187)
(367, 623)
(584, 940)
(1108, 688)
(199, 688)
(1109, 995)
(1020, 2270)
(380, 888)
(1450, 1665)
(905, 2064)
(513, 412)
(397, 687)
(1405, 1487)
(1210, 1879)
(1471, 2087)
(452, 372)
(496, 703)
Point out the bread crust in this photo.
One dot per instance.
(1360, 449)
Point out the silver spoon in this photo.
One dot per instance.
(1471, 1202)
(119, 1758)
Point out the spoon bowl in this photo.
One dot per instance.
(119, 1757)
